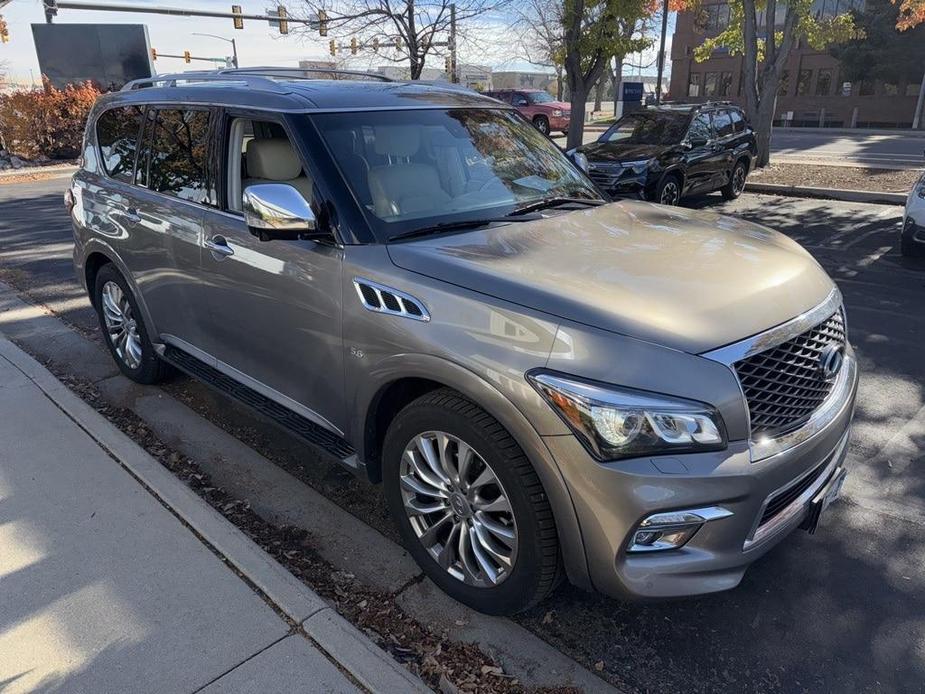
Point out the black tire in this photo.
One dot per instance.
(668, 191)
(736, 183)
(149, 369)
(536, 567)
(542, 124)
(909, 246)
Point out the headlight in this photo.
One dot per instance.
(637, 166)
(618, 423)
(557, 113)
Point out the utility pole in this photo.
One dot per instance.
(661, 55)
(454, 69)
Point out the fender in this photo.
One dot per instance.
(501, 408)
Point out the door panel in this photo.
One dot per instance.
(704, 162)
(275, 313)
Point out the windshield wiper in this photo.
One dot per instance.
(452, 226)
(546, 203)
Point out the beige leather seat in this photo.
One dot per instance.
(402, 187)
(274, 161)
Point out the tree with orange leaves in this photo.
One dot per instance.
(911, 13)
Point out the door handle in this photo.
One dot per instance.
(132, 215)
(219, 246)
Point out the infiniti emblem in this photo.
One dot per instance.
(831, 359)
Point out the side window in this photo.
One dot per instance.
(738, 122)
(117, 133)
(700, 128)
(722, 122)
(520, 99)
(177, 155)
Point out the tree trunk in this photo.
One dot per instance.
(559, 81)
(576, 126)
(599, 93)
(617, 78)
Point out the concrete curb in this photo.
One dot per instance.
(56, 169)
(361, 657)
(876, 197)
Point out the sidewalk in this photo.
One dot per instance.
(107, 583)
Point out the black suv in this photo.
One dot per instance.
(663, 154)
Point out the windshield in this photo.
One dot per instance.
(412, 169)
(648, 129)
(539, 97)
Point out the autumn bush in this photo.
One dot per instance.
(47, 122)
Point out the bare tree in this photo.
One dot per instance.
(398, 30)
(541, 36)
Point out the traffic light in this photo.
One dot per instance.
(153, 54)
(283, 24)
(51, 9)
(4, 31)
(187, 57)
(238, 21)
(322, 23)
(353, 46)
(333, 47)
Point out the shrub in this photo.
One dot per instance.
(49, 122)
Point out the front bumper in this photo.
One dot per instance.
(612, 499)
(559, 122)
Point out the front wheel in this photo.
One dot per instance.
(542, 124)
(736, 184)
(469, 505)
(669, 191)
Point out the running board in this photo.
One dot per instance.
(292, 422)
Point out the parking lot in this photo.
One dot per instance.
(843, 610)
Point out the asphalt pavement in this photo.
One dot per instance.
(843, 610)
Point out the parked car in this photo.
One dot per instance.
(913, 234)
(664, 154)
(642, 399)
(539, 107)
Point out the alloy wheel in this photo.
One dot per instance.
(738, 180)
(542, 126)
(121, 326)
(458, 509)
(671, 194)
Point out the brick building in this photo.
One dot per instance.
(813, 91)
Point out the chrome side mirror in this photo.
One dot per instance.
(277, 211)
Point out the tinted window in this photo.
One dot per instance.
(177, 155)
(540, 97)
(700, 128)
(738, 122)
(117, 134)
(722, 122)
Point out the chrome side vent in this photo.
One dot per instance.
(381, 299)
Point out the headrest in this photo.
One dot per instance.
(272, 159)
(397, 140)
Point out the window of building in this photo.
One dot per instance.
(722, 123)
(725, 84)
(867, 88)
(784, 83)
(117, 134)
(890, 89)
(824, 82)
(713, 18)
(710, 83)
(846, 89)
(803, 81)
(177, 154)
(738, 122)
(693, 85)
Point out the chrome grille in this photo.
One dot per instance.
(784, 385)
(606, 176)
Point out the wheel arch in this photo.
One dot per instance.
(420, 374)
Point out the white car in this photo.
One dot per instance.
(913, 238)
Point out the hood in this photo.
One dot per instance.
(612, 151)
(690, 280)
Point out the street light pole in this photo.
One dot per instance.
(661, 55)
(234, 46)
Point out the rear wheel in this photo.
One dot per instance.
(542, 124)
(669, 191)
(736, 183)
(469, 505)
(124, 329)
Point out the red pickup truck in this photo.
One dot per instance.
(538, 106)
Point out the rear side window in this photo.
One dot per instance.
(117, 134)
(722, 123)
(177, 154)
(738, 122)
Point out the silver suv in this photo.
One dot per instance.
(639, 398)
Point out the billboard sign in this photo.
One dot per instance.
(632, 91)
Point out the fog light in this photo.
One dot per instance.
(673, 529)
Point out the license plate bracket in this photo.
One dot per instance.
(824, 497)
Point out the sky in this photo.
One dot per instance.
(257, 44)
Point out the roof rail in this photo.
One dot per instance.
(300, 72)
(255, 81)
